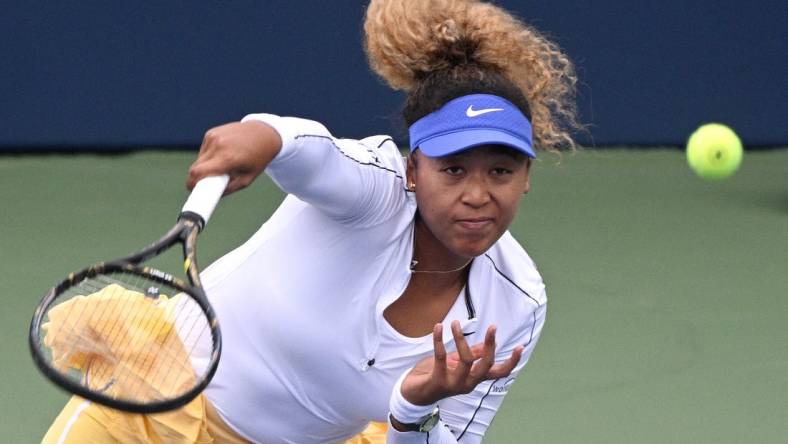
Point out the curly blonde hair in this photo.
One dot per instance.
(437, 50)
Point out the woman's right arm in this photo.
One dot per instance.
(347, 179)
(239, 149)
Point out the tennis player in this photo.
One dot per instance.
(383, 290)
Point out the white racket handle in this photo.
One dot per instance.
(205, 196)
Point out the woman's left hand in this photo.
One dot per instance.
(445, 375)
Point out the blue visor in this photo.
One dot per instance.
(470, 121)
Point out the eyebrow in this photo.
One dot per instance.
(493, 150)
(510, 152)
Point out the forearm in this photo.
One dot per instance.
(342, 177)
(404, 415)
(462, 416)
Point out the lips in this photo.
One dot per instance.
(475, 223)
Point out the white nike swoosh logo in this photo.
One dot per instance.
(470, 112)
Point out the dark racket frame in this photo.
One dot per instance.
(191, 221)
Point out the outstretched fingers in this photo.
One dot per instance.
(505, 368)
(487, 359)
(439, 367)
(464, 352)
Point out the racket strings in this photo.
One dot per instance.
(103, 358)
(168, 372)
(148, 321)
(115, 333)
(109, 335)
(145, 320)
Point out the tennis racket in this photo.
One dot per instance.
(129, 336)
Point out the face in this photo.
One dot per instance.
(467, 200)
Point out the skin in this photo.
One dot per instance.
(242, 150)
(466, 202)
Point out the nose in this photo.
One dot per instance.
(476, 192)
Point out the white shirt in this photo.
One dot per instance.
(307, 355)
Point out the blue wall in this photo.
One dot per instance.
(105, 75)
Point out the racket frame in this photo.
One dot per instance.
(184, 232)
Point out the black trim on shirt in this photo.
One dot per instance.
(481, 401)
(331, 139)
(469, 307)
(469, 302)
(511, 281)
(533, 327)
(387, 139)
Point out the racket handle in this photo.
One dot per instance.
(205, 196)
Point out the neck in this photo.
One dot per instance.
(431, 257)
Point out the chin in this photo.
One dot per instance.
(473, 249)
(476, 245)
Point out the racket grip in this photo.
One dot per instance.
(205, 196)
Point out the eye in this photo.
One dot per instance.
(500, 171)
(454, 170)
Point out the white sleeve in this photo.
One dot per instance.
(465, 418)
(357, 182)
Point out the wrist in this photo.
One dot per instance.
(405, 412)
(397, 425)
(425, 425)
(266, 134)
(270, 132)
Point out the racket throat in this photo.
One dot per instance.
(193, 217)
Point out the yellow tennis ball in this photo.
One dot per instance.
(714, 151)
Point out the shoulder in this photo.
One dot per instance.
(380, 142)
(513, 272)
(376, 151)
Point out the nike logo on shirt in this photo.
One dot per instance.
(470, 112)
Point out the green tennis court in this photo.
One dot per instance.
(668, 313)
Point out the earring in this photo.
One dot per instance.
(412, 186)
